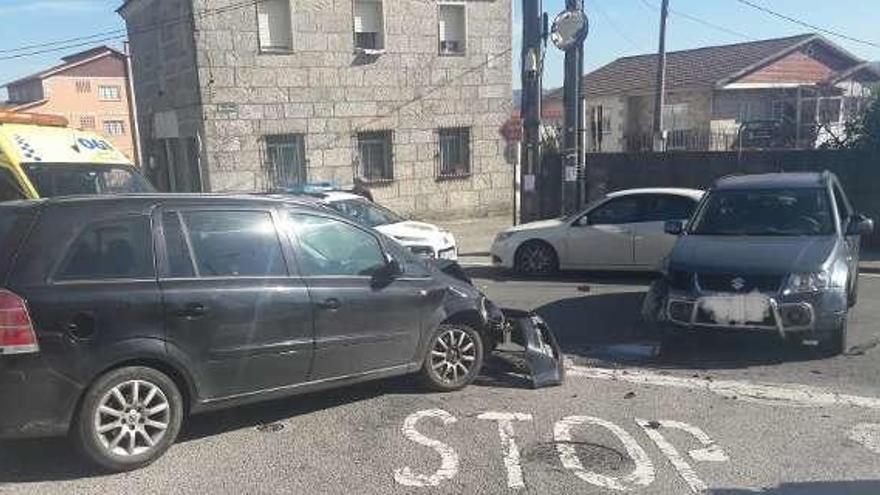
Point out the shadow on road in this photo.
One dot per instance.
(39, 460)
(860, 487)
(592, 326)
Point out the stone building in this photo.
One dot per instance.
(407, 96)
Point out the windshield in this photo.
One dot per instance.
(789, 212)
(366, 213)
(54, 179)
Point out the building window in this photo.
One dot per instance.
(676, 117)
(369, 25)
(87, 122)
(453, 28)
(83, 86)
(114, 128)
(274, 24)
(375, 162)
(109, 93)
(286, 160)
(455, 153)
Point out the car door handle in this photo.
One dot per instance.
(193, 310)
(331, 304)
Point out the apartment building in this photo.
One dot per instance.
(407, 97)
(89, 88)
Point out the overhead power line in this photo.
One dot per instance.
(699, 20)
(808, 25)
(117, 34)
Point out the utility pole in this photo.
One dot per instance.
(660, 90)
(570, 29)
(571, 103)
(532, 72)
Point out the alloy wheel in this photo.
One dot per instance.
(453, 355)
(535, 258)
(132, 418)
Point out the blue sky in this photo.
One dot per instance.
(618, 27)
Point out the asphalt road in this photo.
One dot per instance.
(724, 414)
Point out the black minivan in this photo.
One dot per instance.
(119, 315)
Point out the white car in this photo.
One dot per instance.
(623, 231)
(423, 239)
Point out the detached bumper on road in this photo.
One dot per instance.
(543, 354)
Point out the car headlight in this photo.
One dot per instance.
(799, 283)
(503, 236)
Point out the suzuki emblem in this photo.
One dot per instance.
(738, 283)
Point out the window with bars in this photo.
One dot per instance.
(83, 86)
(274, 25)
(369, 25)
(375, 163)
(286, 160)
(109, 93)
(114, 127)
(455, 153)
(87, 122)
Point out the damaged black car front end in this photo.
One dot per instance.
(503, 327)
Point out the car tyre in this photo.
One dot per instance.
(128, 418)
(454, 358)
(835, 343)
(536, 258)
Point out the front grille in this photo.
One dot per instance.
(736, 283)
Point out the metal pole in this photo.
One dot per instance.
(132, 108)
(571, 103)
(660, 89)
(582, 132)
(532, 69)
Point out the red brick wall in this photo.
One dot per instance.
(795, 67)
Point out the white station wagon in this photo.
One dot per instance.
(623, 231)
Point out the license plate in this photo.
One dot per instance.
(738, 309)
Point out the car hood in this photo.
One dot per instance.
(411, 228)
(751, 254)
(539, 225)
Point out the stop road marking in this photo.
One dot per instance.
(642, 475)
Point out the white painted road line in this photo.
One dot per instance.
(782, 394)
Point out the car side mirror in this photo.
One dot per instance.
(860, 225)
(673, 227)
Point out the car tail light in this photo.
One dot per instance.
(17, 334)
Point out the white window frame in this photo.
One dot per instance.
(121, 127)
(383, 34)
(103, 97)
(276, 49)
(464, 40)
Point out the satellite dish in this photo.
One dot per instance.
(569, 28)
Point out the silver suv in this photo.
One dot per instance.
(773, 252)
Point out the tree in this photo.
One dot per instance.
(863, 132)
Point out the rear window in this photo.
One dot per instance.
(117, 249)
